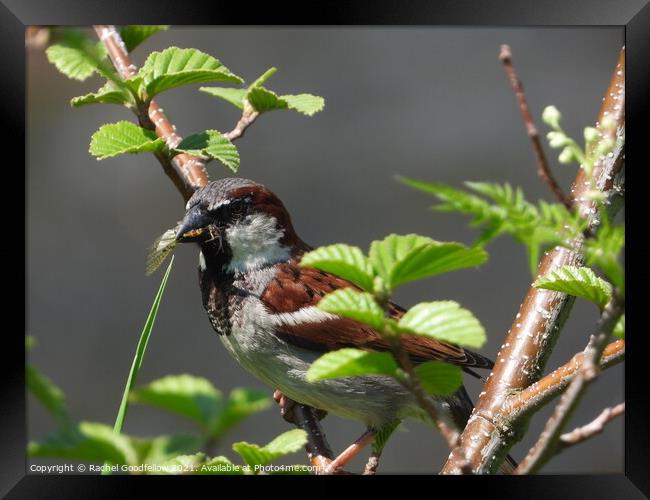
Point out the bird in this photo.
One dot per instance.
(263, 305)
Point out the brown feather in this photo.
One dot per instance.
(296, 287)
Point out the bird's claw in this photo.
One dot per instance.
(287, 405)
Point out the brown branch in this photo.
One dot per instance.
(544, 390)
(543, 168)
(247, 118)
(547, 444)
(580, 434)
(188, 173)
(487, 438)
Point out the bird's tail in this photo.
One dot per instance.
(461, 407)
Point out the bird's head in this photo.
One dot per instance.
(240, 225)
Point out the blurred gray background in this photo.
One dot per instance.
(429, 103)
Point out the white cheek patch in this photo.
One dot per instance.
(255, 242)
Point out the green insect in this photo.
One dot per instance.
(160, 250)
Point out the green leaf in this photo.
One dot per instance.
(402, 259)
(174, 67)
(359, 306)
(619, 329)
(77, 57)
(139, 355)
(108, 94)
(307, 104)
(347, 262)
(444, 320)
(604, 252)
(162, 448)
(241, 404)
(49, 395)
(212, 144)
(263, 78)
(186, 395)
(123, 137)
(263, 100)
(350, 362)
(133, 35)
(221, 466)
(578, 281)
(233, 96)
(87, 441)
(284, 444)
(439, 378)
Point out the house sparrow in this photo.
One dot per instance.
(262, 304)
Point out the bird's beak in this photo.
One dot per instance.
(194, 227)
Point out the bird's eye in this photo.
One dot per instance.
(237, 207)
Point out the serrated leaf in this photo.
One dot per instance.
(359, 306)
(175, 67)
(123, 137)
(77, 57)
(347, 262)
(402, 259)
(439, 378)
(87, 441)
(48, 394)
(221, 466)
(307, 104)
(578, 281)
(263, 100)
(212, 144)
(233, 96)
(284, 444)
(186, 395)
(619, 329)
(444, 320)
(162, 448)
(108, 94)
(133, 35)
(241, 404)
(350, 362)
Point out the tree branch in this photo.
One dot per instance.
(580, 434)
(544, 390)
(486, 439)
(188, 173)
(543, 168)
(547, 445)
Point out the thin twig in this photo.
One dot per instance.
(450, 434)
(596, 426)
(544, 390)
(543, 168)
(188, 173)
(247, 118)
(484, 442)
(547, 444)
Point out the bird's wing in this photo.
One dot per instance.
(293, 294)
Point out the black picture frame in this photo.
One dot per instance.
(633, 15)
